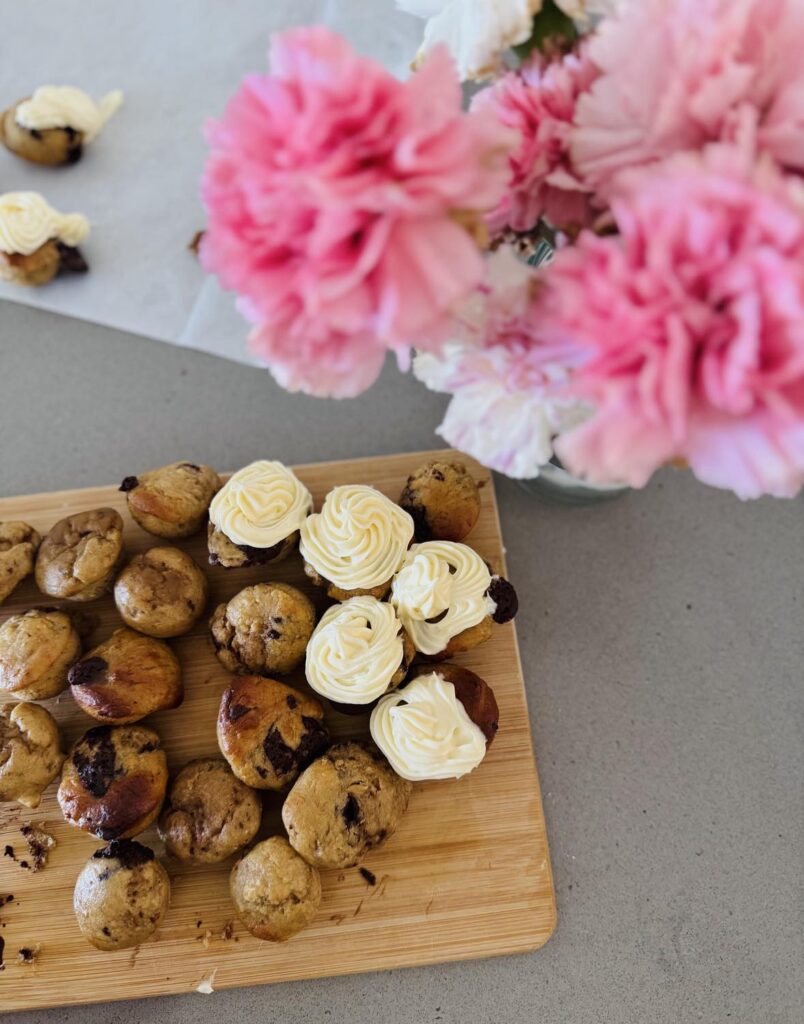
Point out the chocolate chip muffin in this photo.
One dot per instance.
(114, 781)
(78, 558)
(121, 895)
(209, 814)
(126, 678)
(36, 651)
(161, 592)
(264, 629)
(274, 891)
(443, 500)
(346, 803)
(268, 732)
(30, 752)
(171, 501)
(18, 546)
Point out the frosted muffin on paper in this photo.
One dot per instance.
(36, 241)
(255, 517)
(356, 543)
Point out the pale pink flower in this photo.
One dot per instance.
(691, 320)
(676, 74)
(509, 389)
(538, 100)
(336, 196)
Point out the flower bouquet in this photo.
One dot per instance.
(655, 147)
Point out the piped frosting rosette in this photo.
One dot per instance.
(425, 731)
(359, 538)
(27, 221)
(441, 590)
(260, 505)
(65, 106)
(355, 651)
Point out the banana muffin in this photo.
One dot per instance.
(443, 500)
(114, 781)
(126, 678)
(30, 752)
(37, 649)
(18, 546)
(269, 732)
(172, 501)
(78, 558)
(274, 891)
(161, 592)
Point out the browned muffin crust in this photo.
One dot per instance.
(114, 781)
(36, 651)
(474, 693)
(274, 891)
(126, 678)
(268, 732)
(78, 558)
(173, 500)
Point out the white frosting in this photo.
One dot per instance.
(355, 650)
(27, 221)
(64, 106)
(358, 539)
(441, 578)
(260, 505)
(425, 732)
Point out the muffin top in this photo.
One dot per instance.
(426, 732)
(260, 505)
(355, 650)
(79, 552)
(32, 643)
(359, 538)
(441, 590)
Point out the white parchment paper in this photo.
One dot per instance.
(177, 63)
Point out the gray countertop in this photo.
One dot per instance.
(661, 639)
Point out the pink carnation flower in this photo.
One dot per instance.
(676, 74)
(335, 197)
(691, 324)
(538, 101)
(509, 389)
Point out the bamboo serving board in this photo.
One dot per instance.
(466, 875)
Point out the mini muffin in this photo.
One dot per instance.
(209, 814)
(255, 517)
(346, 803)
(274, 891)
(78, 558)
(356, 543)
(126, 678)
(114, 781)
(358, 651)
(443, 500)
(438, 726)
(447, 599)
(52, 126)
(121, 895)
(30, 752)
(18, 544)
(36, 241)
(36, 650)
(161, 592)
(171, 501)
(264, 629)
(269, 732)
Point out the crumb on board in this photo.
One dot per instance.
(198, 923)
(227, 931)
(337, 918)
(369, 876)
(40, 843)
(206, 987)
(195, 242)
(206, 938)
(28, 954)
(9, 851)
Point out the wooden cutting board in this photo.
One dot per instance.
(466, 875)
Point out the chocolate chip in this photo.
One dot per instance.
(369, 876)
(130, 854)
(88, 672)
(285, 759)
(74, 153)
(191, 604)
(213, 559)
(70, 133)
(351, 810)
(129, 483)
(26, 955)
(291, 701)
(106, 931)
(148, 747)
(71, 260)
(94, 760)
(504, 596)
(314, 739)
(236, 711)
(410, 503)
(279, 755)
(259, 556)
(9, 851)
(35, 134)
(24, 864)
(272, 634)
(437, 475)
(191, 465)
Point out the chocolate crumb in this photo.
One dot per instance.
(195, 243)
(71, 260)
(129, 853)
(504, 596)
(291, 701)
(351, 810)
(28, 954)
(9, 852)
(24, 864)
(88, 672)
(369, 876)
(198, 923)
(228, 931)
(129, 483)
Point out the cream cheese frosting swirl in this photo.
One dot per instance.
(425, 732)
(442, 581)
(64, 106)
(355, 650)
(261, 505)
(27, 221)
(358, 539)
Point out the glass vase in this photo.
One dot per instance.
(556, 485)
